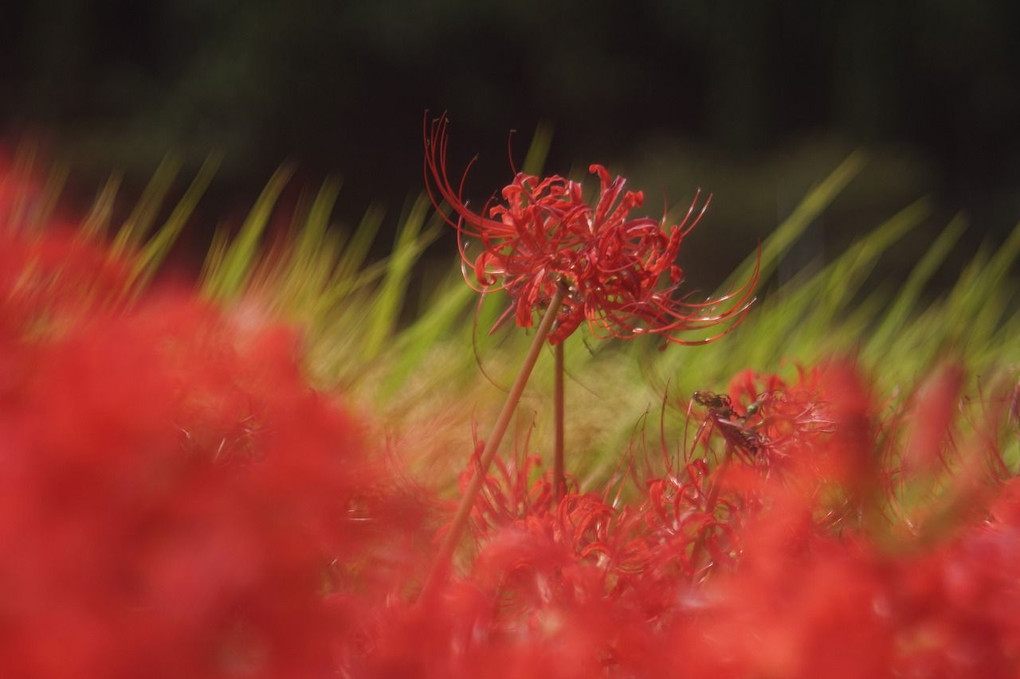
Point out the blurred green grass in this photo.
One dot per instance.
(433, 366)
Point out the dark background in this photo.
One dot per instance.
(754, 101)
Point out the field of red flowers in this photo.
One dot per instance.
(178, 501)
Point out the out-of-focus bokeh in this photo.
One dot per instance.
(753, 101)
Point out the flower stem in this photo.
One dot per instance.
(559, 482)
(442, 562)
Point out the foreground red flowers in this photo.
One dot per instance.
(796, 560)
(175, 501)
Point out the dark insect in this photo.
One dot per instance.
(714, 402)
(732, 426)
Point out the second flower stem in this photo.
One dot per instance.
(442, 561)
(559, 482)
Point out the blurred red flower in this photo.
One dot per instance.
(175, 500)
(619, 273)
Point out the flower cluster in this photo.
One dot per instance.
(619, 273)
(175, 500)
(739, 569)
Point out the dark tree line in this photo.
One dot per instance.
(342, 85)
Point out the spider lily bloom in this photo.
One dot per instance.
(568, 262)
(543, 235)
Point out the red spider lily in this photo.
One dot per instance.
(174, 499)
(544, 235)
(759, 581)
(775, 415)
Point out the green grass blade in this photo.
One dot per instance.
(229, 276)
(141, 219)
(437, 323)
(158, 247)
(538, 150)
(45, 207)
(845, 276)
(986, 300)
(97, 222)
(356, 249)
(313, 232)
(385, 310)
(782, 239)
(900, 311)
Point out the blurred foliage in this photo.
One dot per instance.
(413, 346)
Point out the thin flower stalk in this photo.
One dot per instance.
(559, 483)
(441, 563)
(616, 273)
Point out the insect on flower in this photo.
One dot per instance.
(732, 426)
(618, 273)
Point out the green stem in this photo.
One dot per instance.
(441, 565)
(559, 481)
